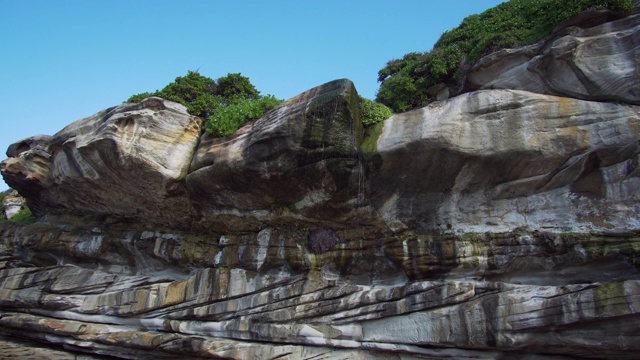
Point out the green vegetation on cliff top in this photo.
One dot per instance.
(405, 82)
(232, 101)
(225, 104)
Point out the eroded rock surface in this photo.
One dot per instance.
(499, 159)
(11, 204)
(586, 62)
(298, 163)
(267, 294)
(128, 161)
(502, 223)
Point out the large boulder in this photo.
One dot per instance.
(128, 161)
(299, 162)
(150, 163)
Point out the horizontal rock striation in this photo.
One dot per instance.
(500, 223)
(267, 295)
(499, 159)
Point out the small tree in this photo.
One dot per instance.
(186, 89)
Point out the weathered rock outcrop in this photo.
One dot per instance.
(142, 163)
(585, 62)
(501, 223)
(128, 162)
(267, 295)
(501, 159)
(300, 160)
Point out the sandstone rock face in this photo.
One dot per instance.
(595, 63)
(500, 159)
(11, 348)
(499, 224)
(264, 295)
(300, 159)
(128, 161)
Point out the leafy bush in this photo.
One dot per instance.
(373, 112)
(196, 92)
(227, 119)
(24, 216)
(225, 104)
(404, 82)
(141, 96)
(236, 85)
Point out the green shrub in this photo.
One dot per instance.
(373, 112)
(24, 216)
(225, 104)
(194, 91)
(404, 82)
(237, 86)
(141, 96)
(226, 120)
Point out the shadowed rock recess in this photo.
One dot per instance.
(503, 223)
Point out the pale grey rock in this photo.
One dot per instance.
(485, 296)
(597, 63)
(128, 161)
(479, 297)
(499, 224)
(495, 160)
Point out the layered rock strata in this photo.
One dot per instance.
(501, 223)
(496, 160)
(266, 295)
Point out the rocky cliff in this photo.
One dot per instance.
(499, 223)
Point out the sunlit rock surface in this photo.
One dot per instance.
(494, 160)
(502, 223)
(586, 62)
(267, 294)
(128, 161)
(298, 163)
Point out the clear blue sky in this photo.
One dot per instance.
(67, 59)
